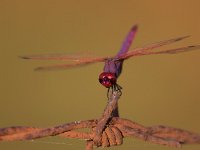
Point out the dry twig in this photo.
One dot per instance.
(107, 131)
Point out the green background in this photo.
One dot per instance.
(161, 89)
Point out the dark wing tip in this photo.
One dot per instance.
(39, 69)
(183, 37)
(23, 57)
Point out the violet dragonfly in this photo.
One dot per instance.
(113, 65)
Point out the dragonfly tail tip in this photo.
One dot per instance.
(135, 27)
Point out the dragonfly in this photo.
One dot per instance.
(113, 64)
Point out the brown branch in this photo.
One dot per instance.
(107, 131)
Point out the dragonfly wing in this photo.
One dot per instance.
(58, 67)
(178, 50)
(61, 57)
(67, 66)
(128, 40)
(51, 57)
(170, 51)
(144, 50)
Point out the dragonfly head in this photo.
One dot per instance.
(107, 79)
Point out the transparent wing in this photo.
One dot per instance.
(175, 51)
(170, 51)
(76, 64)
(78, 60)
(144, 50)
(63, 57)
(61, 66)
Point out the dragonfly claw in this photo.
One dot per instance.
(115, 88)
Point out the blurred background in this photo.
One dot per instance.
(161, 89)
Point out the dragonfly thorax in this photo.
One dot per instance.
(107, 79)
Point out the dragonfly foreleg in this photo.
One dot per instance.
(115, 88)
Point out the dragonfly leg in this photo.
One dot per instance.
(115, 88)
(118, 88)
(108, 92)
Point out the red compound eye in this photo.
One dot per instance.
(107, 79)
